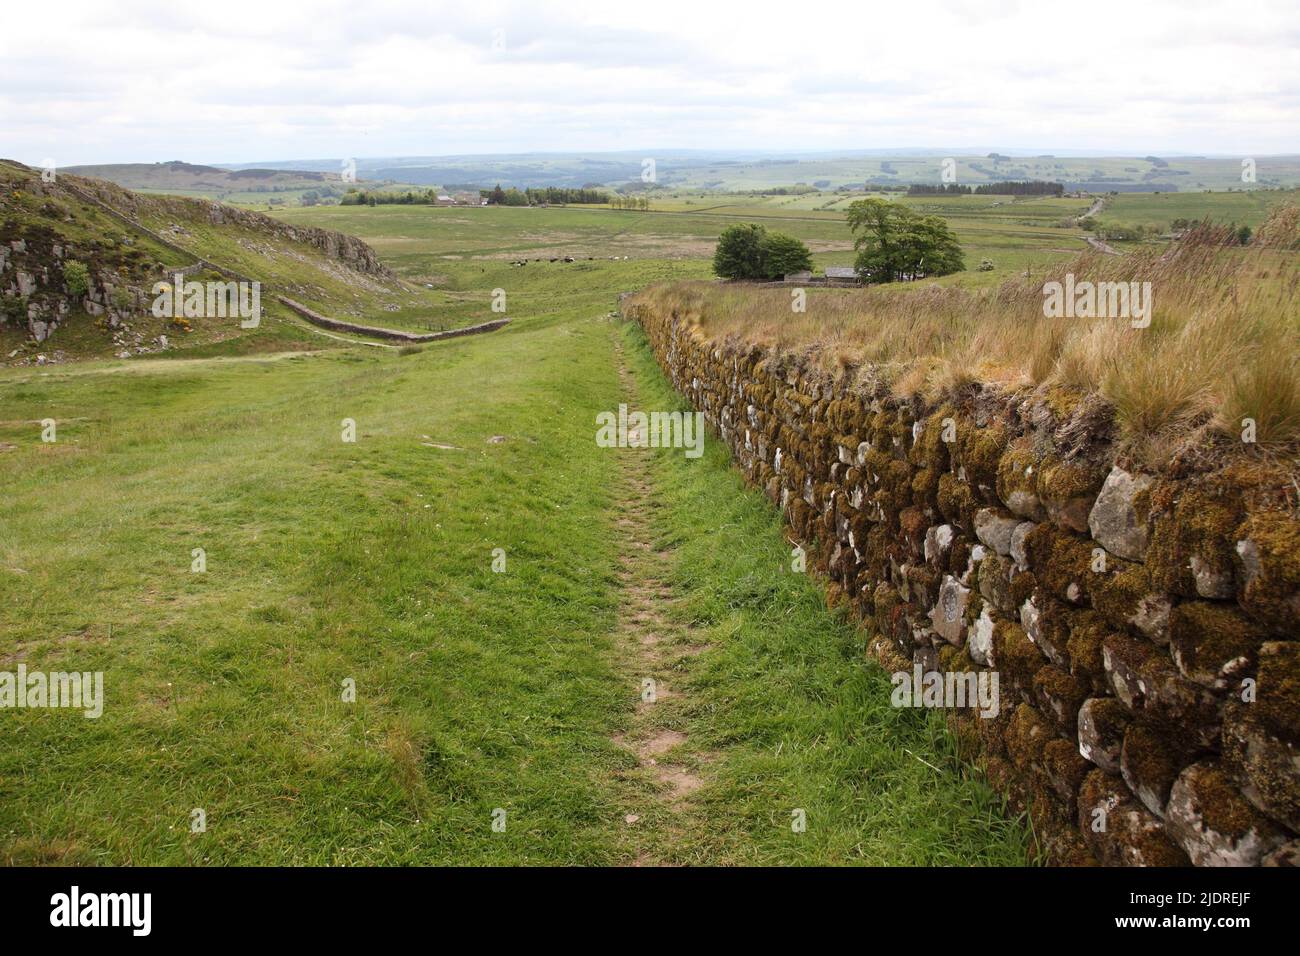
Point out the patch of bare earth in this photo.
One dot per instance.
(652, 649)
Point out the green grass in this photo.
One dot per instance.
(1158, 210)
(371, 561)
(463, 249)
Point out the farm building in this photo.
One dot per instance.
(841, 274)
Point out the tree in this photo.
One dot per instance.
(739, 254)
(751, 252)
(894, 243)
(784, 254)
(76, 278)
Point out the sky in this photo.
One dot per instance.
(237, 81)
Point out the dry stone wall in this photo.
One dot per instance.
(1143, 626)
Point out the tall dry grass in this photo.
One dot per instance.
(1223, 343)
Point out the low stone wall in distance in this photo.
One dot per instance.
(315, 318)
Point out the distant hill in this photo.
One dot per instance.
(188, 178)
(747, 171)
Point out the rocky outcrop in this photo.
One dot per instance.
(1143, 626)
(36, 285)
(135, 207)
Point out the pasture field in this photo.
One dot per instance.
(1160, 209)
(475, 692)
(468, 251)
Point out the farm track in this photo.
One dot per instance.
(652, 649)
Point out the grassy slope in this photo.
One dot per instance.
(287, 267)
(371, 561)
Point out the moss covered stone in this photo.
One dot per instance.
(1068, 490)
(925, 489)
(994, 582)
(1101, 727)
(1195, 711)
(1279, 689)
(1211, 822)
(1061, 562)
(1017, 658)
(1123, 657)
(1263, 764)
(1126, 598)
(956, 503)
(1017, 480)
(1027, 734)
(1191, 550)
(1118, 829)
(1059, 696)
(1085, 645)
(979, 452)
(1065, 770)
(1151, 759)
(1214, 645)
(1267, 555)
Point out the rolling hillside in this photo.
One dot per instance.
(79, 259)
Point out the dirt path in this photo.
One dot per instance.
(1097, 206)
(652, 650)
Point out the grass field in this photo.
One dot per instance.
(476, 691)
(371, 562)
(461, 250)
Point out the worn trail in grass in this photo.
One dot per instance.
(652, 647)
(498, 714)
(793, 751)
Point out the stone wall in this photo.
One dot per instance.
(1142, 626)
(315, 318)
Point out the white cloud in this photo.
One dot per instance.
(141, 80)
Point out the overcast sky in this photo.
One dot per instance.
(236, 81)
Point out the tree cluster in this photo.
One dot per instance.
(751, 252)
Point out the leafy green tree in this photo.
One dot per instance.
(76, 278)
(894, 243)
(784, 254)
(739, 254)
